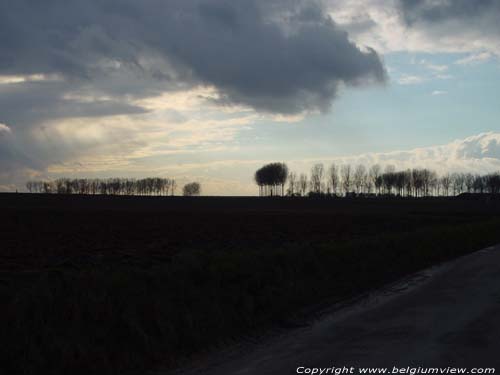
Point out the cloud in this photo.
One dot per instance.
(457, 24)
(4, 128)
(406, 79)
(31, 103)
(15, 166)
(439, 11)
(434, 67)
(443, 76)
(101, 80)
(105, 82)
(438, 92)
(476, 58)
(278, 56)
(476, 154)
(431, 26)
(8, 79)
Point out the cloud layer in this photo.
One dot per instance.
(277, 56)
(422, 25)
(476, 154)
(96, 85)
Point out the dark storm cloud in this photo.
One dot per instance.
(28, 103)
(467, 11)
(277, 56)
(12, 159)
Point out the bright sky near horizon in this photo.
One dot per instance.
(209, 90)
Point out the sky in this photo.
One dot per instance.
(210, 90)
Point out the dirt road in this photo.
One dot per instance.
(446, 316)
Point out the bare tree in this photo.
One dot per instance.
(317, 175)
(346, 172)
(173, 187)
(445, 182)
(389, 178)
(333, 179)
(400, 182)
(374, 176)
(492, 183)
(469, 182)
(427, 180)
(458, 182)
(479, 184)
(359, 178)
(303, 183)
(293, 184)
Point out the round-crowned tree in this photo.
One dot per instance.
(192, 189)
(271, 179)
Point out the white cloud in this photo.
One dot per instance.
(473, 59)
(11, 79)
(437, 68)
(438, 92)
(407, 79)
(433, 72)
(475, 154)
(433, 67)
(444, 76)
(117, 142)
(285, 118)
(4, 128)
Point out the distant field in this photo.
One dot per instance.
(41, 230)
(102, 283)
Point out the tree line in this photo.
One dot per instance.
(108, 186)
(346, 180)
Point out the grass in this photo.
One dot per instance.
(115, 318)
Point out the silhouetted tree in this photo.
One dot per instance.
(374, 176)
(492, 183)
(389, 179)
(303, 184)
(271, 179)
(346, 172)
(333, 179)
(191, 189)
(479, 184)
(113, 186)
(359, 178)
(173, 187)
(400, 182)
(293, 184)
(458, 181)
(445, 182)
(317, 175)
